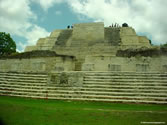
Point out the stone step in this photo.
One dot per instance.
(110, 100)
(125, 87)
(23, 94)
(22, 86)
(79, 92)
(132, 90)
(125, 83)
(110, 97)
(90, 99)
(130, 74)
(124, 77)
(24, 74)
(23, 77)
(125, 80)
(6, 86)
(23, 80)
(124, 90)
(108, 93)
(43, 93)
(97, 86)
(22, 90)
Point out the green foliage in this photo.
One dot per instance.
(7, 44)
(164, 45)
(124, 25)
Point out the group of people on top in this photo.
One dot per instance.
(68, 27)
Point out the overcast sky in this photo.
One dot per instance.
(29, 20)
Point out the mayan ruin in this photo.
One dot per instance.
(88, 62)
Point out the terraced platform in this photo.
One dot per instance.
(97, 86)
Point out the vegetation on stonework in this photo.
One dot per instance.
(164, 47)
(143, 51)
(26, 111)
(7, 44)
(33, 54)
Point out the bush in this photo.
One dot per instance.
(7, 44)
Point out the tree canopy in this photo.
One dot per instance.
(124, 25)
(7, 44)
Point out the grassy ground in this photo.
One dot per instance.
(23, 111)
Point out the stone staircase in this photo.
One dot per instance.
(23, 84)
(127, 87)
(97, 86)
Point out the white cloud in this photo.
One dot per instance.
(15, 18)
(20, 45)
(148, 16)
(32, 36)
(15, 15)
(35, 33)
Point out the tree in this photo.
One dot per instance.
(124, 25)
(7, 44)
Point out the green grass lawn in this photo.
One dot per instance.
(26, 111)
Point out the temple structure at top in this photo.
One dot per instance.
(92, 47)
(90, 38)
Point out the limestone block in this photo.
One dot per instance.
(38, 66)
(133, 64)
(130, 40)
(144, 41)
(87, 34)
(75, 78)
(50, 41)
(55, 33)
(45, 48)
(16, 66)
(46, 43)
(2, 65)
(66, 79)
(41, 64)
(142, 67)
(114, 67)
(164, 68)
(112, 36)
(59, 68)
(30, 48)
(88, 67)
(41, 41)
(63, 37)
(54, 79)
(124, 31)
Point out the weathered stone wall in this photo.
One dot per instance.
(45, 43)
(87, 34)
(125, 64)
(112, 36)
(87, 38)
(130, 38)
(41, 64)
(93, 39)
(63, 37)
(66, 79)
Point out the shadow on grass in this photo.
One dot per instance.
(2, 122)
